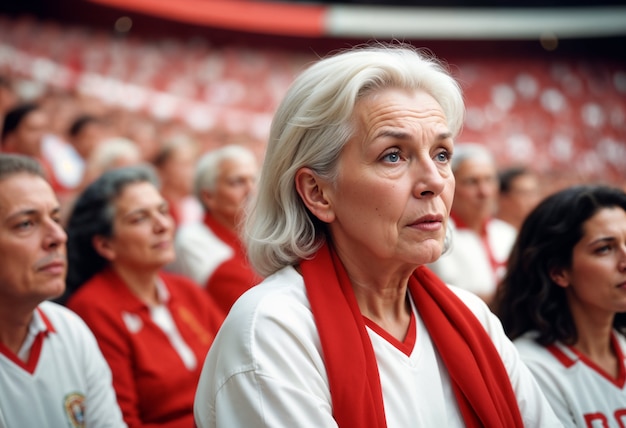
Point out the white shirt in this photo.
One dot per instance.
(70, 384)
(580, 393)
(198, 252)
(468, 266)
(265, 368)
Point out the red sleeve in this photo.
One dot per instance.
(229, 281)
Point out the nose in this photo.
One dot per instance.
(55, 235)
(429, 180)
(621, 264)
(162, 222)
(250, 185)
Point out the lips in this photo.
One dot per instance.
(162, 245)
(429, 222)
(428, 218)
(53, 267)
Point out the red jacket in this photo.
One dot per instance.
(153, 385)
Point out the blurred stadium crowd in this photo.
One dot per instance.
(566, 118)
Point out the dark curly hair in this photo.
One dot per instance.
(528, 299)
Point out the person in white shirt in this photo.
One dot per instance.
(349, 328)
(52, 373)
(481, 243)
(563, 301)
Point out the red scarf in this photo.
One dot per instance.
(479, 380)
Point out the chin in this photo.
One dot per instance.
(429, 252)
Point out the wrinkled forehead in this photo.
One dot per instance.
(25, 191)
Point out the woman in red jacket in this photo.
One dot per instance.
(154, 328)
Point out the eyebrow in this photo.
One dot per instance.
(604, 239)
(32, 211)
(401, 135)
(145, 209)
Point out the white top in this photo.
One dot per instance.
(467, 265)
(581, 394)
(198, 252)
(70, 385)
(265, 368)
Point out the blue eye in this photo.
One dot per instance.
(443, 156)
(392, 157)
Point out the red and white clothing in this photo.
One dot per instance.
(214, 257)
(155, 353)
(65, 382)
(580, 393)
(266, 367)
(476, 262)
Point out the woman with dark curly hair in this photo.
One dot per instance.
(563, 302)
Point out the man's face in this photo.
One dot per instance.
(29, 134)
(476, 190)
(235, 183)
(32, 242)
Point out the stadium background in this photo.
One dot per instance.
(544, 82)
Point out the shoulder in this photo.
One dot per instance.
(538, 357)
(278, 296)
(277, 304)
(196, 232)
(64, 321)
(501, 229)
(96, 291)
(180, 281)
(183, 288)
(474, 303)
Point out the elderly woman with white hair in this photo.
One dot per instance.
(482, 243)
(349, 328)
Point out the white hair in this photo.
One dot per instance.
(310, 128)
(465, 151)
(208, 168)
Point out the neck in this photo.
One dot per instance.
(14, 326)
(172, 194)
(141, 283)
(382, 298)
(594, 340)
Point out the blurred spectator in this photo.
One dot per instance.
(211, 252)
(480, 242)
(23, 132)
(52, 373)
(86, 132)
(154, 328)
(8, 96)
(176, 164)
(563, 302)
(144, 133)
(519, 194)
(111, 153)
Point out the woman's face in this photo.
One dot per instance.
(142, 229)
(395, 187)
(596, 281)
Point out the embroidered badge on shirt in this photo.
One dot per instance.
(74, 404)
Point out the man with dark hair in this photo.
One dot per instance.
(519, 194)
(52, 372)
(23, 131)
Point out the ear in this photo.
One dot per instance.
(102, 245)
(312, 192)
(559, 276)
